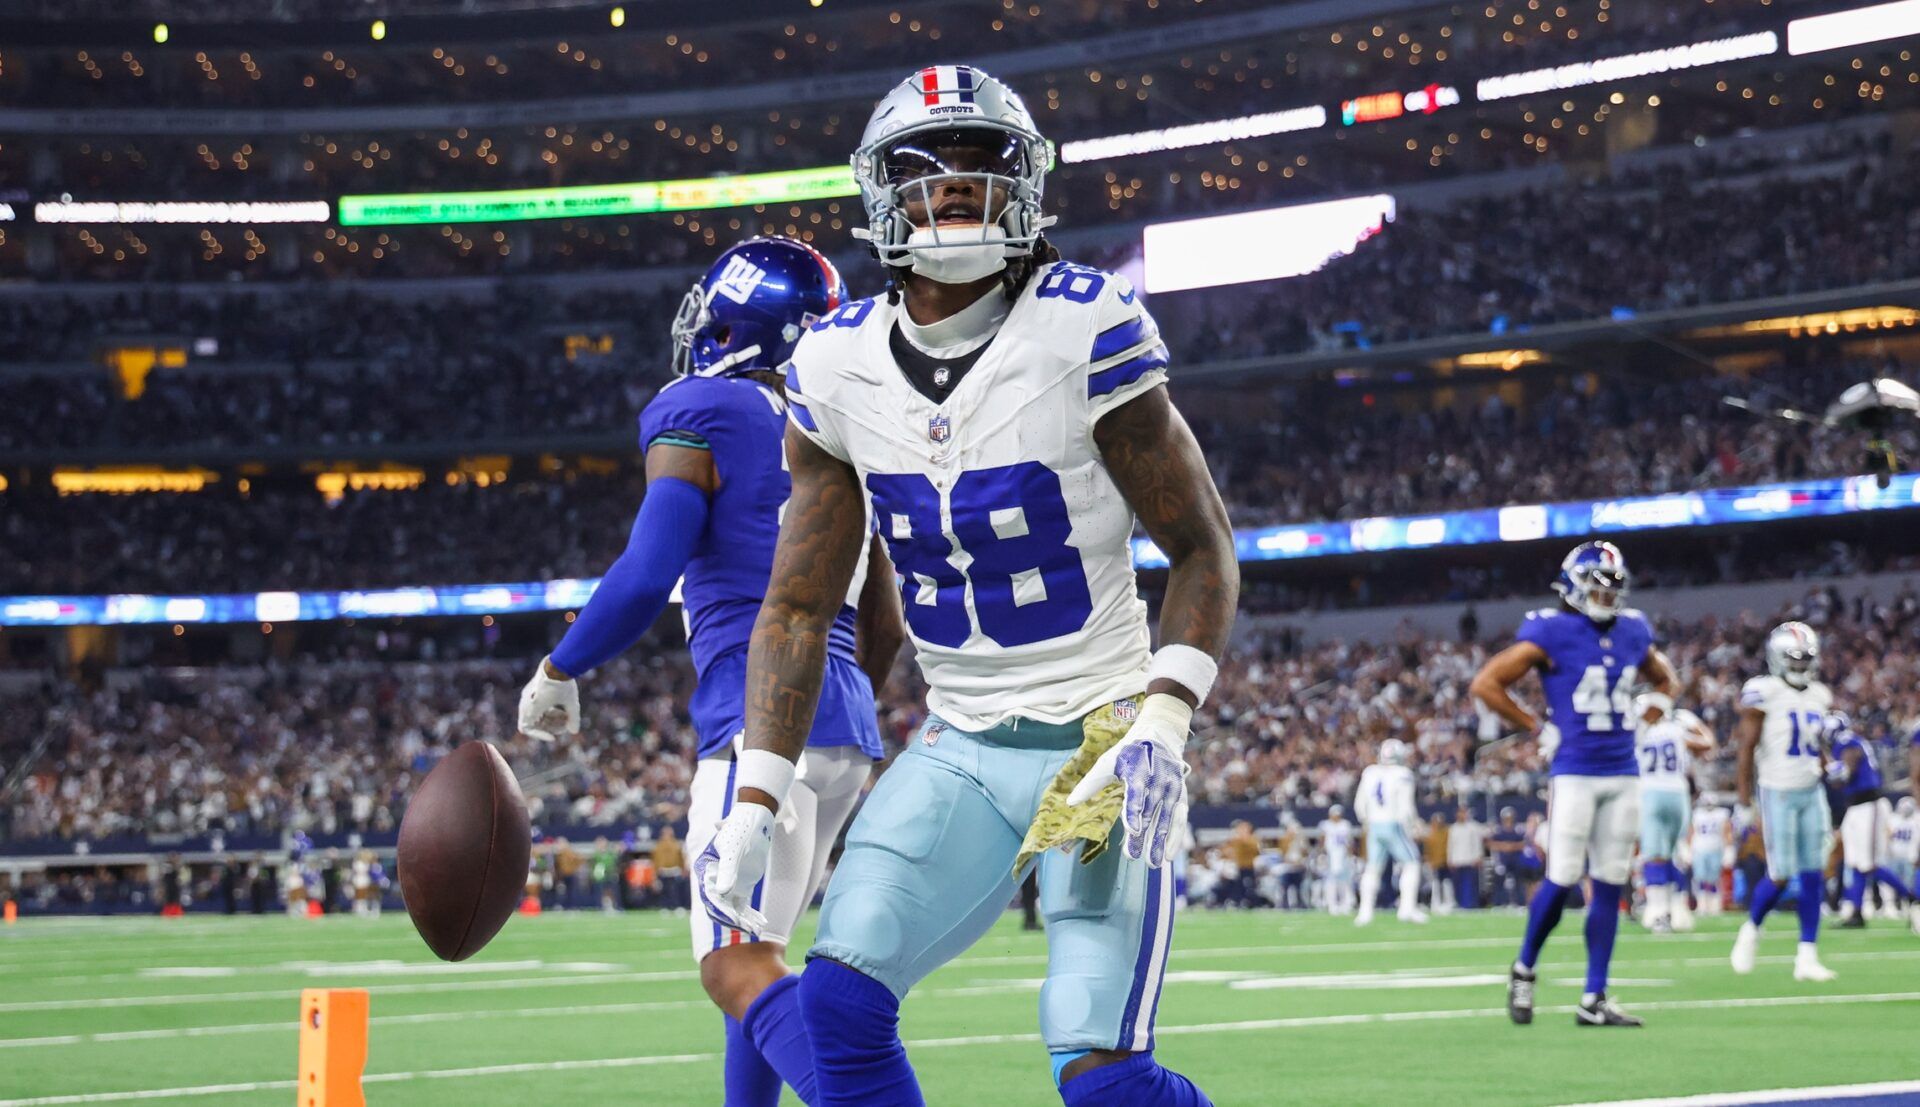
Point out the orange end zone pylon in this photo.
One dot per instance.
(333, 1047)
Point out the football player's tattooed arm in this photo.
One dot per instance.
(1153, 458)
(1501, 672)
(1657, 671)
(820, 542)
(1748, 738)
(879, 629)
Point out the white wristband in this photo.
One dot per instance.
(1188, 667)
(765, 770)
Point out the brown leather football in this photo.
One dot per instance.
(464, 847)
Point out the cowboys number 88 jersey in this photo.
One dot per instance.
(1009, 536)
(1793, 724)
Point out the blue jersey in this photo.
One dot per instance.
(743, 423)
(1589, 680)
(1863, 783)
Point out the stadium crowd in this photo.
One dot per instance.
(1578, 437)
(330, 747)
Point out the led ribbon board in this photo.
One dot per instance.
(1627, 66)
(1521, 523)
(636, 198)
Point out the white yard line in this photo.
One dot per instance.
(377, 989)
(998, 1039)
(1771, 1095)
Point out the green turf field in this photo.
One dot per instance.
(1261, 1008)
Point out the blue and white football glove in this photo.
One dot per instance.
(549, 708)
(732, 865)
(1149, 763)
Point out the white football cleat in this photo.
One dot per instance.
(1682, 917)
(1363, 917)
(1807, 966)
(1413, 915)
(1746, 948)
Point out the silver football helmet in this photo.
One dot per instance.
(1393, 752)
(905, 152)
(1793, 653)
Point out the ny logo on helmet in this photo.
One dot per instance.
(738, 280)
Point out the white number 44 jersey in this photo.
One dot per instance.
(1010, 538)
(1795, 718)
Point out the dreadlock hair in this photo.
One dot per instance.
(1013, 279)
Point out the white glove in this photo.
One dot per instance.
(1149, 762)
(549, 707)
(1549, 741)
(727, 871)
(1742, 815)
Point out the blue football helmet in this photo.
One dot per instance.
(1593, 580)
(752, 306)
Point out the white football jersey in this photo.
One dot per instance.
(1338, 837)
(1664, 757)
(1789, 751)
(1903, 838)
(1386, 795)
(1008, 534)
(1710, 829)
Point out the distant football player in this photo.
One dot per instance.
(369, 884)
(1336, 842)
(1590, 652)
(1903, 850)
(1865, 822)
(1385, 805)
(1783, 718)
(716, 485)
(1006, 415)
(1711, 840)
(1665, 744)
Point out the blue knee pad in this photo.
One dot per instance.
(1138, 1081)
(853, 1024)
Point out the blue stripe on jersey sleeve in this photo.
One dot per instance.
(1120, 338)
(1101, 383)
(801, 415)
(793, 379)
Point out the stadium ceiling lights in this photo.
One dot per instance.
(1194, 134)
(1626, 66)
(635, 198)
(1838, 30)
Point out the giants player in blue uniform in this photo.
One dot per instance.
(716, 485)
(1866, 818)
(1590, 653)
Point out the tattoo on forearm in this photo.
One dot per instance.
(820, 542)
(1153, 458)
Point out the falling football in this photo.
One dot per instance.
(464, 847)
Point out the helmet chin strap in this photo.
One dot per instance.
(719, 368)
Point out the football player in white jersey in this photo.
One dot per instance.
(1336, 841)
(1384, 802)
(1665, 743)
(1782, 719)
(1004, 414)
(1712, 838)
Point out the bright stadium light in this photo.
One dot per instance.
(786, 186)
(1627, 66)
(1838, 30)
(169, 211)
(160, 32)
(1194, 134)
(1259, 245)
(378, 30)
(617, 17)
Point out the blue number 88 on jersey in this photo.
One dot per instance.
(1012, 522)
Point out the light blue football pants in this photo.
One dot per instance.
(928, 869)
(1663, 818)
(1389, 841)
(1794, 823)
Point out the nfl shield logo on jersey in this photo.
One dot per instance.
(1126, 710)
(939, 428)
